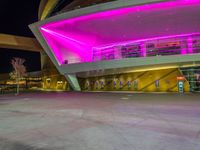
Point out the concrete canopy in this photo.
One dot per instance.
(73, 39)
(73, 35)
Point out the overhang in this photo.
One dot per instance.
(72, 36)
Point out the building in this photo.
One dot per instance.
(125, 45)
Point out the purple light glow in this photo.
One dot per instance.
(63, 36)
(143, 50)
(183, 51)
(178, 44)
(190, 49)
(75, 39)
(144, 40)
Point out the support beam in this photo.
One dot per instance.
(19, 42)
(73, 81)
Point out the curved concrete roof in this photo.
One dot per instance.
(45, 8)
(73, 35)
(81, 30)
(132, 23)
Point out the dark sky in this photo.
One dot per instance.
(15, 16)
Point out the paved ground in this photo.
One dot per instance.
(100, 121)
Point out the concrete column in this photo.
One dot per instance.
(73, 81)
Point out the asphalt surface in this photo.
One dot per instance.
(100, 121)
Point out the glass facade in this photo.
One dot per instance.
(174, 45)
(192, 74)
(164, 80)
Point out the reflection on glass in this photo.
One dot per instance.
(136, 84)
(157, 84)
(129, 84)
(120, 84)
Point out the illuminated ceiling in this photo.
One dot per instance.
(74, 38)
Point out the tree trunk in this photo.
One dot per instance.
(18, 88)
(17, 82)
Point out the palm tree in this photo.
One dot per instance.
(19, 71)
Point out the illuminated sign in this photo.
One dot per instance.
(181, 78)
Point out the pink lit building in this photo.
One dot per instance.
(122, 36)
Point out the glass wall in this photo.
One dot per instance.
(192, 74)
(164, 80)
(174, 45)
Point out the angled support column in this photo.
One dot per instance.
(73, 81)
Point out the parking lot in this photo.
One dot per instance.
(99, 121)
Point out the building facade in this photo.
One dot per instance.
(123, 45)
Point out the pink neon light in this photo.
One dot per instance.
(143, 50)
(121, 11)
(74, 39)
(190, 49)
(183, 51)
(144, 40)
(63, 36)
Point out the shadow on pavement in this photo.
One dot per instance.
(6, 144)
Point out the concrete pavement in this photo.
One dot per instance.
(100, 121)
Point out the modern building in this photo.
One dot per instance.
(123, 45)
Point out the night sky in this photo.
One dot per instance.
(15, 17)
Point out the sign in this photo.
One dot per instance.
(181, 86)
(181, 78)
